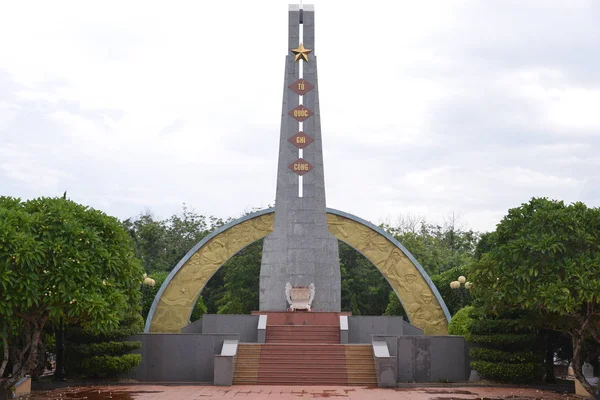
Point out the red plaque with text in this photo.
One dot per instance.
(300, 140)
(301, 113)
(301, 87)
(300, 166)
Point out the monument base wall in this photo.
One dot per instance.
(429, 358)
(243, 325)
(362, 328)
(302, 318)
(190, 357)
(175, 357)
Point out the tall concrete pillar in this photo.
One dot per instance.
(300, 250)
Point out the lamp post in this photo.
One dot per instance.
(147, 281)
(457, 285)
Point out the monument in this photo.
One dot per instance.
(300, 269)
(300, 251)
(299, 335)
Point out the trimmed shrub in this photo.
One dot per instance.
(502, 340)
(505, 372)
(128, 327)
(493, 355)
(507, 349)
(107, 348)
(103, 356)
(490, 326)
(110, 366)
(460, 322)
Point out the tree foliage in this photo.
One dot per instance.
(160, 244)
(60, 259)
(461, 321)
(455, 299)
(544, 257)
(437, 247)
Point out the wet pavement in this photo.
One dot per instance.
(152, 392)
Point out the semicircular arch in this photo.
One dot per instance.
(175, 300)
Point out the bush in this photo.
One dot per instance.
(128, 327)
(492, 355)
(460, 322)
(491, 326)
(506, 372)
(110, 366)
(507, 348)
(107, 348)
(103, 356)
(503, 340)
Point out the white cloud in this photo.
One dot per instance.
(427, 107)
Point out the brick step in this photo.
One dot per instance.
(298, 333)
(307, 366)
(323, 338)
(305, 382)
(283, 341)
(308, 352)
(270, 359)
(298, 356)
(303, 327)
(317, 374)
(299, 339)
(302, 334)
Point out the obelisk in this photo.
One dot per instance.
(300, 250)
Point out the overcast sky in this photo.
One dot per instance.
(428, 107)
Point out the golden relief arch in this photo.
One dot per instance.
(177, 296)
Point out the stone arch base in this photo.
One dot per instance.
(177, 296)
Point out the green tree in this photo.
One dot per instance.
(161, 244)
(455, 299)
(364, 289)
(60, 259)
(241, 281)
(544, 258)
(437, 247)
(394, 307)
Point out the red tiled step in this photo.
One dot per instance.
(302, 364)
(303, 334)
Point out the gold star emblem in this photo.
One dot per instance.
(301, 52)
(183, 291)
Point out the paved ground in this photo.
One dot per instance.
(293, 392)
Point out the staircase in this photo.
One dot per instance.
(303, 334)
(304, 355)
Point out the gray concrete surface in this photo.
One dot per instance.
(385, 368)
(194, 327)
(362, 328)
(432, 359)
(244, 325)
(174, 357)
(300, 250)
(223, 370)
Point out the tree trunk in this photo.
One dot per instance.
(577, 342)
(27, 361)
(4, 357)
(549, 364)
